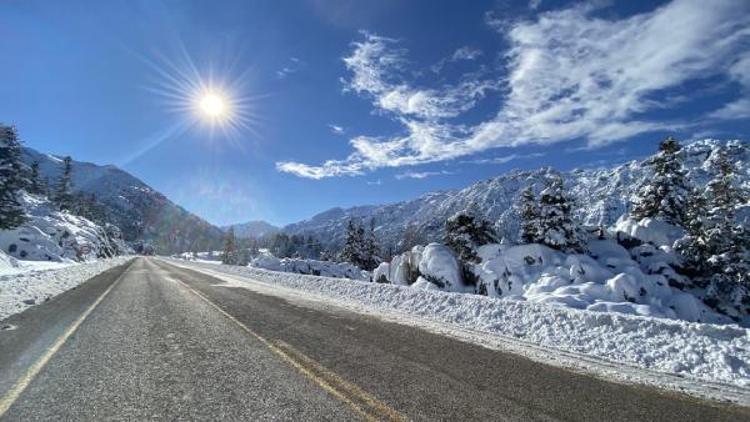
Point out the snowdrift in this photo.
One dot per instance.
(51, 235)
(310, 266)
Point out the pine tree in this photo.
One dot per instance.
(12, 179)
(466, 231)
(529, 210)
(557, 229)
(664, 196)
(36, 185)
(229, 255)
(716, 248)
(63, 195)
(355, 247)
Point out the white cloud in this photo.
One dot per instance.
(570, 75)
(338, 130)
(466, 53)
(422, 174)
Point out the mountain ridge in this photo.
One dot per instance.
(601, 194)
(140, 211)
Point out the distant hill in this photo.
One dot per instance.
(253, 229)
(138, 210)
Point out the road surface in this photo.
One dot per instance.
(149, 340)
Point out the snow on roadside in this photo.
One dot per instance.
(31, 286)
(698, 351)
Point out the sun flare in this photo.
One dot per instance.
(213, 105)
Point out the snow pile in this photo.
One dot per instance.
(51, 235)
(718, 353)
(310, 266)
(22, 290)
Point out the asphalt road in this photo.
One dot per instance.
(149, 340)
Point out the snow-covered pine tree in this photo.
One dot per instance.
(557, 229)
(36, 185)
(12, 179)
(355, 247)
(229, 254)
(716, 247)
(664, 195)
(529, 211)
(63, 190)
(466, 231)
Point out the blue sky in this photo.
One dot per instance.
(342, 103)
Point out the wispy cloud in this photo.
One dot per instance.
(338, 130)
(294, 65)
(505, 158)
(422, 174)
(463, 53)
(570, 75)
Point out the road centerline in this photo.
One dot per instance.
(363, 403)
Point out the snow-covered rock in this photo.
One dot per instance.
(52, 235)
(649, 230)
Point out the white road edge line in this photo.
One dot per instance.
(18, 388)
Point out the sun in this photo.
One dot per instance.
(213, 105)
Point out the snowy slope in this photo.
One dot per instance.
(602, 195)
(54, 236)
(141, 212)
(252, 229)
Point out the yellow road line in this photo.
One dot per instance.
(18, 388)
(363, 403)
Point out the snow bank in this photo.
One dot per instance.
(32, 287)
(717, 353)
(310, 266)
(51, 235)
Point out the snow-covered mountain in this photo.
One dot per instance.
(138, 210)
(252, 229)
(601, 196)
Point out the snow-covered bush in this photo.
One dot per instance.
(440, 267)
(609, 278)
